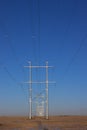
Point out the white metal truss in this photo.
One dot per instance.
(42, 108)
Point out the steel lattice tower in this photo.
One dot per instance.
(43, 101)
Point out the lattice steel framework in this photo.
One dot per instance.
(42, 108)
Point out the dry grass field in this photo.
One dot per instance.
(54, 123)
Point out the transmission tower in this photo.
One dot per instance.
(41, 99)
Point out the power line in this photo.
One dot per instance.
(33, 31)
(13, 78)
(39, 47)
(9, 41)
(73, 13)
(35, 13)
(69, 23)
(7, 36)
(8, 72)
(75, 55)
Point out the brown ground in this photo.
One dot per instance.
(54, 123)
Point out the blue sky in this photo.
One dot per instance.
(53, 30)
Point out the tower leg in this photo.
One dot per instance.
(46, 90)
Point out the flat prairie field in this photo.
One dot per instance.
(36, 123)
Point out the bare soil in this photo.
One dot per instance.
(54, 123)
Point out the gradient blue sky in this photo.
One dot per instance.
(57, 32)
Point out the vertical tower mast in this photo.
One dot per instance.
(47, 90)
(30, 91)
